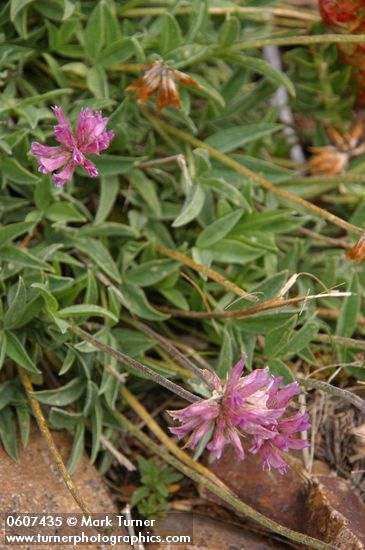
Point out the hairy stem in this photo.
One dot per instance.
(123, 358)
(333, 390)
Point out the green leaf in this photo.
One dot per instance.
(16, 307)
(14, 171)
(8, 432)
(225, 190)
(266, 69)
(63, 212)
(2, 348)
(301, 339)
(7, 393)
(13, 230)
(107, 229)
(19, 256)
(225, 360)
(147, 189)
(64, 420)
(218, 229)
(16, 6)
(350, 309)
(97, 82)
(150, 273)
(96, 430)
(95, 31)
(49, 299)
(279, 368)
(88, 310)
(170, 37)
(117, 52)
(229, 250)
(77, 448)
(43, 193)
(62, 396)
(233, 138)
(134, 299)
(101, 256)
(91, 396)
(109, 189)
(278, 337)
(16, 351)
(24, 419)
(113, 165)
(192, 207)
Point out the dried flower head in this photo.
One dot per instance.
(347, 15)
(251, 405)
(357, 252)
(160, 80)
(332, 160)
(91, 137)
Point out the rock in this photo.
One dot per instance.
(335, 513)
(209, 534)
(279, 497)
(34, 485)
(326, 508)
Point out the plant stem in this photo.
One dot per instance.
(41, 421)
(203, 477)
(265, 13)
(333, 390)
(123, 358)
(298, 40)
(200, 268)
(239, 314)
(170, 348)
(316, 210)
(341, 340)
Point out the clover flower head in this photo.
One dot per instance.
(91, 137)
(160, 80)
(251, 405)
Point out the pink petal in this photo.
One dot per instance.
(185, 429)
(91, 134)
(280, 398)
(253, 382)
(236, 372)
(236, 442)
(47, 165)
(296, 423)
(90, 168)
(62, 130)
(65, 175)
(205, 409)
(39, 150)
(197, 435)
(272, 459)
(49, 158)
(218, 442)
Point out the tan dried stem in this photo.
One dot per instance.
(42, 424)
(206, 270)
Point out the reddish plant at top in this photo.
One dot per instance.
(251, 405)
(91, 137)
(160, 80)
(348, 16)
